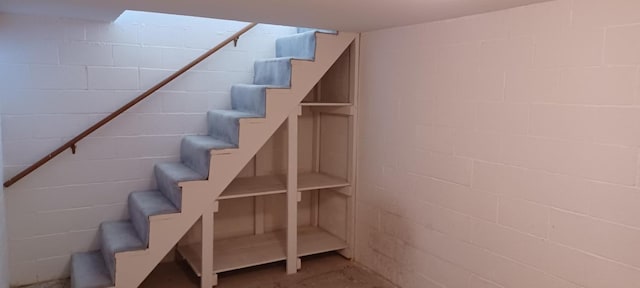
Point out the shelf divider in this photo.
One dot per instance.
(292, 193)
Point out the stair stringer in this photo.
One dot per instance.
(132, 267)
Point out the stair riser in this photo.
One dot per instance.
(145, 204)
(109, 259)
(299, 46)
(196, 151)
(140, 222)
(274, 72)
(223, 127)
(118, 237)
(88, 270)
(168, 187)
(195, 157)
(249, 99)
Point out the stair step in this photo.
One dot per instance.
(299, 46)
(249, 98)
(118, 236)
(325, 31)
(225, 124)
(275, 71)
(195, 151)
(167, 177)
(144, 204)
(88, 270)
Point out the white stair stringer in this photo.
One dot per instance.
(166, 230)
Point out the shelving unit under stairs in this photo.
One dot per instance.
(296, 196)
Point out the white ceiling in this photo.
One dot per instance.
(344, 15)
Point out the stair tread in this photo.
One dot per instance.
(152, 203)
(263, 86)
(88, 270)
(324, 31)
(236, 114)
(120, 236)
(208, 143)
(274, 59)
(178, 172)
(299, 34)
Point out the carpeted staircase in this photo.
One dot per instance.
(98, 268)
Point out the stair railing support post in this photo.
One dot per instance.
(292, 193)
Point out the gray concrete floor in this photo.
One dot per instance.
(320, 271)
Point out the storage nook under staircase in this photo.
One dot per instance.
(296, 196)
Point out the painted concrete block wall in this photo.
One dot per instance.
(60, 76)
(501, 150)
(4, 257)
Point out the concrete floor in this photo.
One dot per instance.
(320, 271)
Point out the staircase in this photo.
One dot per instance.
(159, 218)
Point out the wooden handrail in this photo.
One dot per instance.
(72, 143)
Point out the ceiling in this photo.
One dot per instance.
(344, 15)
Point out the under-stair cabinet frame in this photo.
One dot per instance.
(296, 196)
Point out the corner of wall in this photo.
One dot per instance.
(4, 257)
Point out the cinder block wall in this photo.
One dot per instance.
(60, 76)
(4, 259)
(501, 150)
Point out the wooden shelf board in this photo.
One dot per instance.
(314, 240)
(314, 181)
(255, 186)
(276, 184)
(242, 252)
(325, 104)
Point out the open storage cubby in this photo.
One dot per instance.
(250, 222)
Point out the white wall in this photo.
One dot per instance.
(4, 258)
(501, 150)
(61, 76)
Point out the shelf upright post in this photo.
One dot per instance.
(292, 192)
(315, 200)
(352, 161)
(258, 201)
(209, 277)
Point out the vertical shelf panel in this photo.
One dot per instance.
(335, 83)
(292, 193)
(334, 145)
